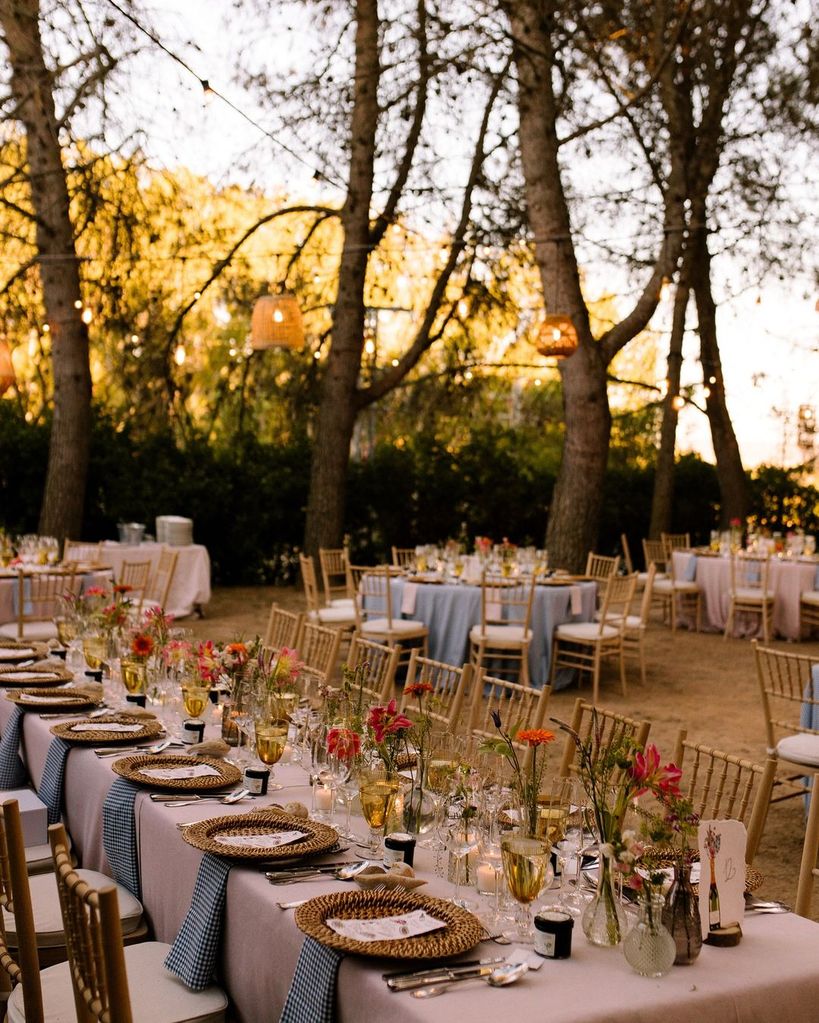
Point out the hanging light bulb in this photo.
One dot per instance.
(87, 316)
(180, 355)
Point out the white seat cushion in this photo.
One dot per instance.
(345, 602)
(799, 749)
(750, 593)
(38, 859)
(585, 631)
(31, 630)
(156, 995)
(642, 577)
(333, 616)
(632, 621)
(45, 904)
(675, 585)
(810, 597)
(500, 635)
(382, 626)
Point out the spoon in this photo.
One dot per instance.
(231, 797)
(158, 747)
(507, 973)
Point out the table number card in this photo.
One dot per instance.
(722, 880)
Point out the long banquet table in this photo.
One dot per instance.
(775, 965)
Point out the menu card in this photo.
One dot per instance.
(175, 773)
(17, 676)
(105, 726)
(268, 840)
(722, 874)
(386, 928)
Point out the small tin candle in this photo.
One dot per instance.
(256, 779)
(95, 674)
(553, 934)
(192, 731)
(399, 846)
(136, 699)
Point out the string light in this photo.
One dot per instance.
(677, 402)
(180, 355)
(87, 316)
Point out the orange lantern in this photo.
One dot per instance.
(557, 337)
(276, 323)
(7, 376)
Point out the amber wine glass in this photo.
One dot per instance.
(195, 697)
(94, 648)
(271, 739)
(527, 869)
(134, 675)
(377, 796)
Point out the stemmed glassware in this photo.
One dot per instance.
(377, 793)
(572, 846)
(441, 769)
(270, 732)
(527, 869)
(491, 854)
(462, 839)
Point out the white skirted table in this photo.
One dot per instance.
(190, 588)
(773, 971)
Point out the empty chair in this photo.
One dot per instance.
(318, 650)
(611, 729)
(599, 566)
(519, 706)
(678, 596)
(381, 665)
(675, 542)
(654, 553)
(376, 614)
(750, 592)
(634, 626)
(157, 591)
(77, 552)
(502, 640)
(450, 689)
(333, 563)
(403, 557)
(136, 575)
(38, 601)
(335, 617)
(721, 786)
(107, 982)
(283, 628)
(585, 645)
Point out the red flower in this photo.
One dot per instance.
(95, 591)
(418, 689)
(386, 721)
(122, 588)
(535, 736)
(646, 772)
(142, 645)
(343, 743)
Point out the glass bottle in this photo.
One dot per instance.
(649, 948)
(682, 916)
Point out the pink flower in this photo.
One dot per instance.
(646, 773)
(386, 721)
(343, 743)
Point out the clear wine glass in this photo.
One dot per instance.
(462, 839)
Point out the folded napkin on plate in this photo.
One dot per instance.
(51, 783)
(576, 597)
(119, 834)
(408, 598)
(312, 994)
(140, 713)
(210, 748)
(192, 957)
(13, 773)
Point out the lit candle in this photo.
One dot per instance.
(324, 798)
(486, 879)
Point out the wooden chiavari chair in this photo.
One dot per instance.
(283, 628)
(503, 638)
(517, 704)
(450, 689)
(38, 601)
(611, 730)
(333, 563)
(599, 566)
(382, 665)
(334, 617)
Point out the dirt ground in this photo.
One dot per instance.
(695, 681)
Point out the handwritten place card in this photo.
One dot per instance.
(12, 654)
(106, 726)
(265, 841)
(176, 773)
(387, 928)
(22, 676)
(31, 698)
(722, 875)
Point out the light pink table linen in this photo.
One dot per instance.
(190, 588)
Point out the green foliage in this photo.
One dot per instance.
(781, 502)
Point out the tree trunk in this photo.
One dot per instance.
(662, 498)
(733, 484)
(31, 83)
(339, 405)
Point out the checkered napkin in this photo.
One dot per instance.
(119, 834)
(312, 994)
(13, 773)
(51, 783)
(192, 957)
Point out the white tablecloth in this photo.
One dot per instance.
(190, 589)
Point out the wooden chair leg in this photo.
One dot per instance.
(596, 674)
(729, 622)
(810, 849)
(622, 670)
(524, 666)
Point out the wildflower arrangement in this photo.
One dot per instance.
(527, 783)
(344, 743)
(483, 546)
(140, 645)
(157, 624)
(387, 731)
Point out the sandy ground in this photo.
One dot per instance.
(695, 681)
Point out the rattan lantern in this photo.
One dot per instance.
(557, 337)
(7, 376)
(276, 323)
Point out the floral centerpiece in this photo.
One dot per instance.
(134, 661)
(387, 731)
(527, 781)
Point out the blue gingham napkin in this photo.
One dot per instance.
(13, 773)
(192, 957)
(51, 783)
(119, 835)
(312, 994)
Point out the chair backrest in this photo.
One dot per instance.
(15, 897)
(333, 563)
(612, 729)
(789, 693)
(626, 553)
(654, 553)
(308, 578)
(283, 628)
(618, 594)
(162, 578)
(135, 574)
(382, 664)
(450, 688)
(598, 566)
(722, 786)
(319, 650)
(518, 705)
(646, 599)
(93, 939)
(77, 552)
(503, 603)
(403, 557)
(749, 572)
(370, 585)
(39, 593)
(675, 542)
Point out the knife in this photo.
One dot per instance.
(449, 976)
(467, 963)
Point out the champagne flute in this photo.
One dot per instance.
(527, 870)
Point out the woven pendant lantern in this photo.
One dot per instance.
(557, 337)
(7, 376)
(276, 323)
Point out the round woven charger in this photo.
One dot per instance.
(462, 932)
(132, 768)
(52, 699)
(151, 729)
(27, 650)
(753, 878)
(33, 676)
(319, 837)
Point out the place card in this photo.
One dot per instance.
(31, 698)
(722, 876)
(176, 773)
(21, 676)
(105, 726)
(267, 840)
(387, 928)
(13, 654)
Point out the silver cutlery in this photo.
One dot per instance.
(436, 971)
(229, 799)
(501, 976)
(158, 747)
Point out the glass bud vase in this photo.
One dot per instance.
(649, 948)
(681, 916)
(604, 919)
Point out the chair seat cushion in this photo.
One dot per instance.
(500, 635)
(333, 616)
(586, 631)
(31, 630)
(346, 602)
(45, 904)
(751, 593)
(675, 585)
(799, 749)
(810, 597)
(383, 626)
(631, 622)
(156, 995)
